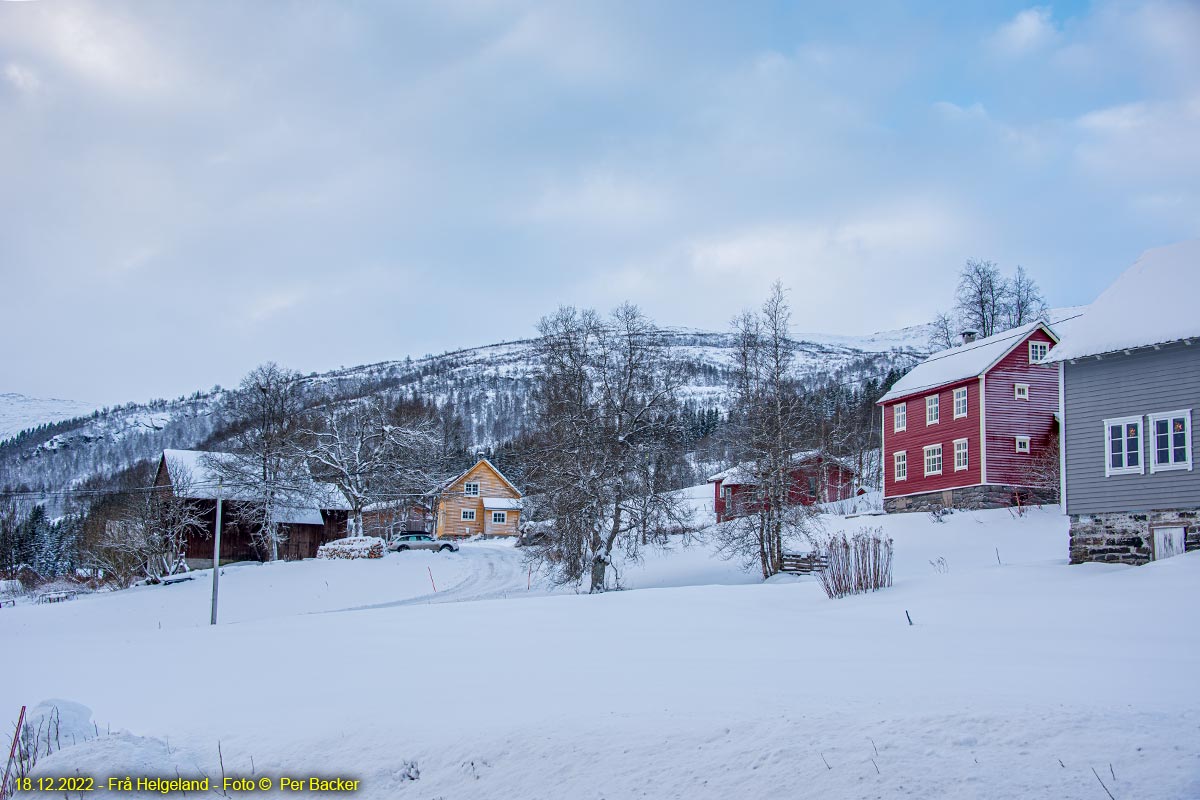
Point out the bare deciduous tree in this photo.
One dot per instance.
(368, 458)
(982, 296)
(264, 466)
(1023, 302)
(945, 331)
(605, 396)
(769, 423)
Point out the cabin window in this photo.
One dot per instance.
(901, 463)
(900, 417)
(1038, 351)
(960, 402)
(1021, 391)
(1022, 444)
(499, 517)
(812, 487)
(468, 515)
(1123, 446)
(471, 489)
(933, 459)
(961, 456)
(932, 412)
(1171, 441)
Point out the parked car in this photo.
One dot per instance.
(421, 541)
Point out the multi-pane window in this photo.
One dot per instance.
(961, 456)
(901, 461)
(1021, 391)
(471, 489)
(1022, 444)
(1171, 441)
(932, 412)
(1038, 351)
(960, 402)
(499, 517)
(1123, 446)
(933, 459)
(900, 417)
(468, 515)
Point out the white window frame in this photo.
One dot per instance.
(900, 465)
(468, 515)
(1018, 394)
(941, 464)
(1038, 346)
(471, 489)
(499, 517)
(1022, 440)
(964, 397)
(933, 410)
(1109, 469)
(1154, 419)
(965, 452)
(900, 417)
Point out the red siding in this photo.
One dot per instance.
(919, 435)
(838, 484)
(1008, 418)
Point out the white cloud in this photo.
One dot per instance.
(1030, 30)
(23, 78)
(601, 199)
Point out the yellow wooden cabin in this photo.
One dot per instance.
(479, 501)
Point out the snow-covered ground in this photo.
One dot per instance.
(1019, 676)
(18, 412)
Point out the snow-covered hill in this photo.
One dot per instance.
(19, 412)
(486, 386)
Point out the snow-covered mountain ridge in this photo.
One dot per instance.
(486, 386)
(18, 412)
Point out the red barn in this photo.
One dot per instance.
(815, 479)
(966, 427)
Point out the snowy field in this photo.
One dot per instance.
(1019, 677)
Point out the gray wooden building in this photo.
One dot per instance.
(1130, 384)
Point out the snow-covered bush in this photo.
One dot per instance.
(352, 547)
(856, 564)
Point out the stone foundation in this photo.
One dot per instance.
(971, 498)
(1125, 538)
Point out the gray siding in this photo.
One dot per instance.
(1144, 382)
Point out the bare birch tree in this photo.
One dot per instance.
(1023, 301)
(264, 467)
(982, 296)
(370, 459)
(605, 394)
(768, 423)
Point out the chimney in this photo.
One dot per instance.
(969, 335)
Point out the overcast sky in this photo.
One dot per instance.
(192, 188)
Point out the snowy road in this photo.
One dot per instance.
(496, 571)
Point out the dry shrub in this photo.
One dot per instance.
(856, 564)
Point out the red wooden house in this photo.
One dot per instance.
(966, 427)
(815, 479)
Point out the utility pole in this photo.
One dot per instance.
(217, 552)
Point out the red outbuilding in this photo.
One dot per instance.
(969, 426)
(815, 478)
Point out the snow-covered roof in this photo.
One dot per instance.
(501, 503)
(742, 475)
(1153, 302)
(192, 476)
(962, 362)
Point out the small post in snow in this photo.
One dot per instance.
(431, 583)
(529, 579)
(998, 556)
(908, 615)
(217, 553)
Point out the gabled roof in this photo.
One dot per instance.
(1153, 302)
(742, 474)
(193, 477)
(963, 362)
(472, 468)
